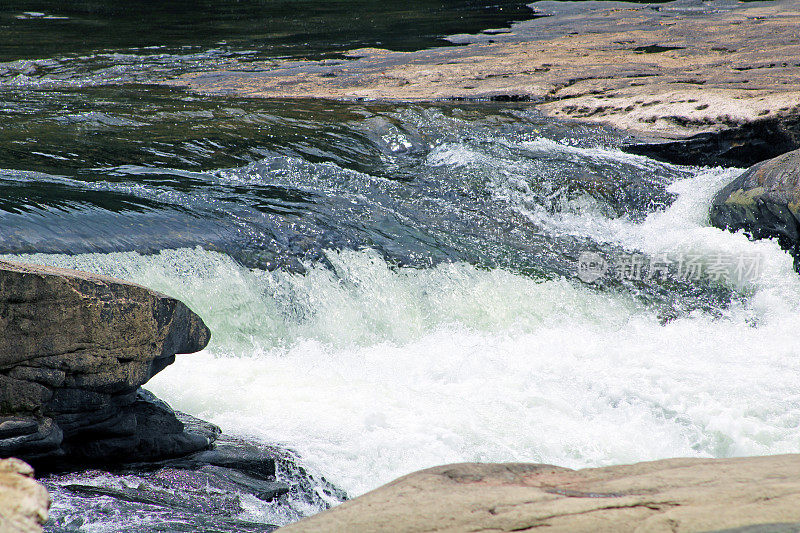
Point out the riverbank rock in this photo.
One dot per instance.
(664, 71)
(236, 487)
(745, 494)
(23, 501)
(74, 350)
(738, 146)
(764, 202)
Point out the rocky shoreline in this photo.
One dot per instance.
(732, 495)
(76, 349)
(710, 83)
(719, 76)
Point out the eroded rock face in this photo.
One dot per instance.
(765, 202)
(23, 501)
(671, 495)
(74, 350)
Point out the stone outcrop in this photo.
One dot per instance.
(74, 350)
(23, 501)
(738, 146)
(670, 70)
(674, 495)
(213, 490)
(764, 201)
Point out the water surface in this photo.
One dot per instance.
(389, 286)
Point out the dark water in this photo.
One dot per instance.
(276, 183)
(93, 159)
(265, 28)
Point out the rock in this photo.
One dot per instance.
(668, 71)
(243, 457)
(196, 492)
(201, 427)
(23, 501)
(214, 512)
(765, 202)
(744, 494)
(74, 350)
(740, 146)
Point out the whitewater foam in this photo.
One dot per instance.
(370, 371)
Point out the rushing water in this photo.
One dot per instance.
(391, 286)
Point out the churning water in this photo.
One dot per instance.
(395, 286)
(440, 330)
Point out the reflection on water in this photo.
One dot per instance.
(33, 29)
(390, 286)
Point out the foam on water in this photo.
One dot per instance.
(371, 371)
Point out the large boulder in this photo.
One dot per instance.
(74, 350)
(765, 202)
(23, 501)
(745, 494)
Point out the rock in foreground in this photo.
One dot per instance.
(74, 350)
(765, 202)
(23, 501)
(669, 495)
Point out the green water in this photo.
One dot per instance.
(268, 28)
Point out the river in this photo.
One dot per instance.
(390, 286)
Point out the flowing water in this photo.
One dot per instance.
(390, 286)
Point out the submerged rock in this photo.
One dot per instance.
(236, 486)
(668, 495)
(74, 350)
(765, 202)
(23, 501)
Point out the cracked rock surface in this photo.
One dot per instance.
(743, 494)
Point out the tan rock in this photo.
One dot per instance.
(23, 501)
(670, 495)
(47, 311)
(667, 72)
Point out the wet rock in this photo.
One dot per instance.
(43, 439)
(740, 146)
(668, 495)
(247, 495)
(216, 512)
(261, 489)
(147, 430)
(764, 202)
(239, 456)
(74, 350)
(23, 501)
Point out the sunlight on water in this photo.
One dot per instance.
(371, 371)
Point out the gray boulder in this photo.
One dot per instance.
(74, 350)
(764, 202)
